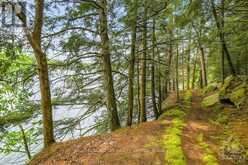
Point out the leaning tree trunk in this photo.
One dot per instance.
(153, 88)
(131, 70)
(107, 70)
(25, 142)
(143, 68)
(222, 39)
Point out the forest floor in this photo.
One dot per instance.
(192, 140)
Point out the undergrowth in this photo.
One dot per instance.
(208, 157)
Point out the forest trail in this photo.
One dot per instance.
(146, 143)
(198, 130)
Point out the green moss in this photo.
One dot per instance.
(210, 100)
(187, 96)
(174, 112)
(172, 144)
(223, 89)
(238, 95)
(208, 157)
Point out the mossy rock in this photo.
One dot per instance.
(239, 94)
(210, 100)
(168, 104)
(224, 87)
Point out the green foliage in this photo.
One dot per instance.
(211, 88)
(16, 117)
(233, 149)
(209, 159)
(220, 119)
(12, 141)
(187, 96)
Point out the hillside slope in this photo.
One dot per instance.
(189, 132)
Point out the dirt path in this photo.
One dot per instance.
(197, 124)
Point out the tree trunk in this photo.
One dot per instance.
(222, 39)
(222, 59)
(169, 62)
(107, 70)
(203, 66)
(25, 142)
(154, 104)
(194, 71)
(46, 104)
(177, 74)
(138, 89)
(131, 70)
(159, 94)
(182, 59)
(34, 39)
(159, 85)
(143, 68)
(188, 63)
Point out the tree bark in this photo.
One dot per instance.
(131, 69)
(222, 59)
(222, 39)
(153, 88)
(188, 63)
(203, 66)
(169, 62)
(143, 68)
(107, 70)
(177, 74)
(182, 60)
(138, 89)
(34, 39)
(194, 71)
